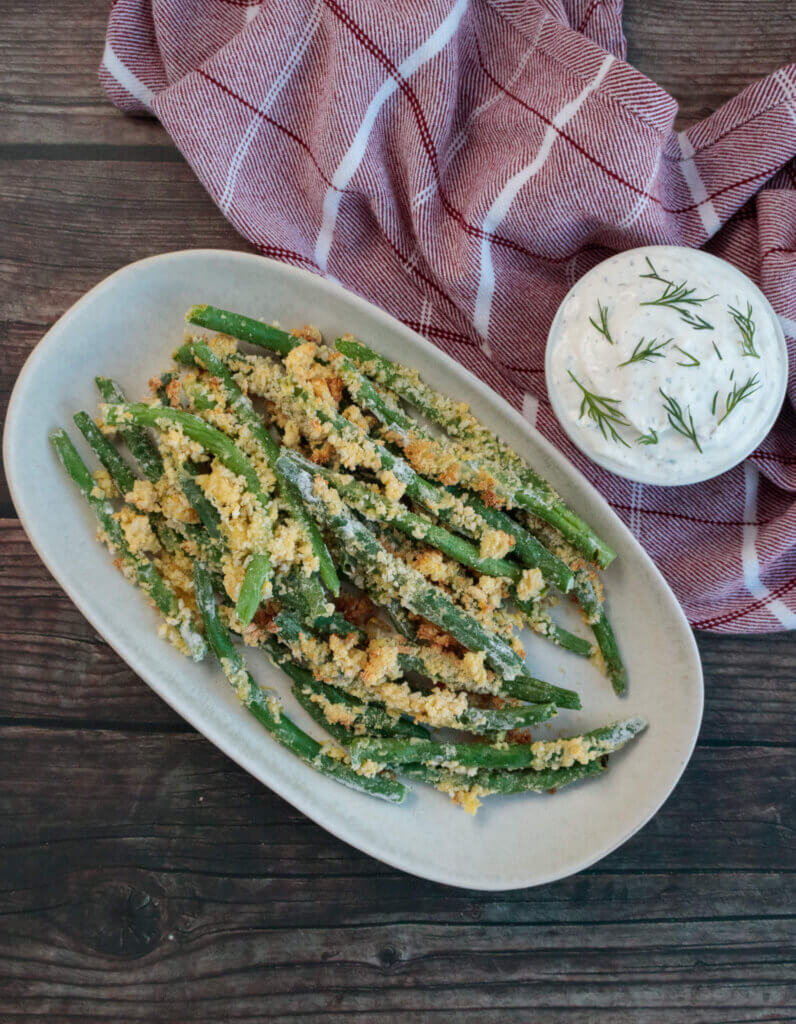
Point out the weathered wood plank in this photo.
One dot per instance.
(57, 667)
(51, 93)
(242, 973)
(146, 876)
(706, 53)
(68, 224)
(496, 1012)
(276, 892)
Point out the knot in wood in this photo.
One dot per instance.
(389, 956)
(121, 920)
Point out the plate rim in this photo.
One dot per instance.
(204, 726)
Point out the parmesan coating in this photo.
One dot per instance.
(496, 544)
(245, 525)
(394, 489)
(107, 488)
(137, 531)
(173, 441)
(338, 714)
(144, 496)
(531, 584)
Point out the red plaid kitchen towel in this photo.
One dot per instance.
(461, 163)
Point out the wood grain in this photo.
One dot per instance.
(155, 881)
(144, 877)
(50, 53)
(706, 53)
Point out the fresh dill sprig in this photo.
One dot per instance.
(603, 411)
(602, 326)
(693, 361)
(650, 437)
(653, 274)
(699, 323)
(646, 351)
(677, 419)
(713, 404)
(721, 357)
(678, 297)
(746, 325)
(738, 394)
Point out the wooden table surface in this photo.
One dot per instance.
(145, 877)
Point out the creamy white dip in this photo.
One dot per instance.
(666, 365)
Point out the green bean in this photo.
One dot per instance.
(530, 491)
(141, 445)
(214, 441)
(258, 570)
(319, 701)
(397, 615)
(337, 625)
(445, 670)
(378, 508)
(478, 720)
(165, 380)
(304, 597)
(527, 548)
(139, 569)
(254, 331)
(432, 497)
(487, 782)
(436, 499)
(400, 620)
(122, 476)
(119, 471)
(200, 396)
(268, 710)
(195, 428)
(543, 754)
(594, 610)
(244, 411)
(148, 457)
(209, 515)
(301, 594)
(540, 621)
(473, 471)
(416, 593)
(416, 657)
(461, 424)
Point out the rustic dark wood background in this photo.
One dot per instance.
(145, 877)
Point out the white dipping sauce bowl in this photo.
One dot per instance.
(648, 472)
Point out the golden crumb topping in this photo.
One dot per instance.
(496, 544)
(137, 531)
(531, 584)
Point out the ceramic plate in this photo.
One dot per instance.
(126, 328)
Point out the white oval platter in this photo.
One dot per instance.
(126, 327)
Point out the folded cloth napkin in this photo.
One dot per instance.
(461, 163)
